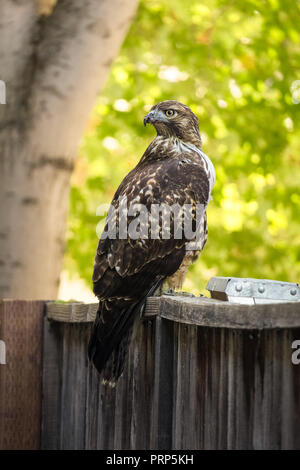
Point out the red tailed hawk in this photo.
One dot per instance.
(131, 264)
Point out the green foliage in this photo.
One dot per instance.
(234, 64)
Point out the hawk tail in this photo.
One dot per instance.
(115, 365)
(111, 335)
(109, 341)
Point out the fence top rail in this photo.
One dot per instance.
(199, 311)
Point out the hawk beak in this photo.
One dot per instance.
(149, 118)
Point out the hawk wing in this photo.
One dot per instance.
(153, 183)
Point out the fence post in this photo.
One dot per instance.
(21, 329)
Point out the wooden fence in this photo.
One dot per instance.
(201, 374)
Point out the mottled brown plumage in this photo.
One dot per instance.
(173, 170)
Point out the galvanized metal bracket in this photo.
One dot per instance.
(252, 291)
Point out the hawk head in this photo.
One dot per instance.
(174, 119)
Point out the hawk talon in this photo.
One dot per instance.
(168, 292)
(178, 293)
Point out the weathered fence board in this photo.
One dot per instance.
(78, 411)
(21, 377)
(52, 357)
(201, 374)
(219, 314)
(161, 437)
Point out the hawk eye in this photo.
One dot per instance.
(169, 112)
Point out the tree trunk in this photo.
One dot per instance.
(53, 66)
